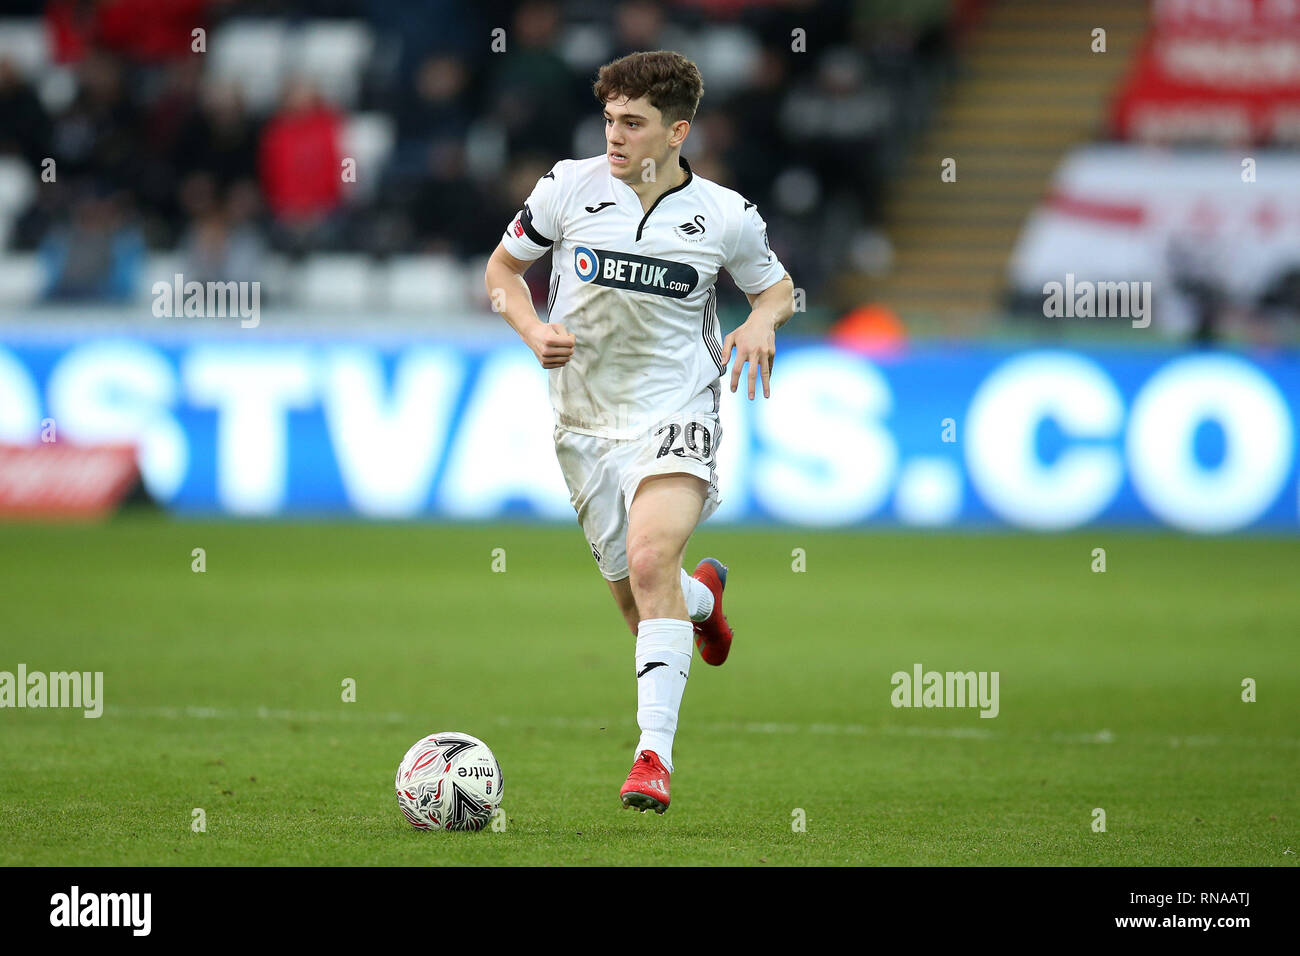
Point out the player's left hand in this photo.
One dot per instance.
(755, 343)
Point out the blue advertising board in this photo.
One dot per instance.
(335, 423)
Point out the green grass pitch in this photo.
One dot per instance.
(1118, 690)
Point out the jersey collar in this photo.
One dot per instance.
(690, 177)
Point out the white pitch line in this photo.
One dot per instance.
(717, 727)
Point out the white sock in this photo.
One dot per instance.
(699, 599)
(663, 662)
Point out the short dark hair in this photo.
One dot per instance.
(668, 80)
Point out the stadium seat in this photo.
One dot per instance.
(23, 42)
(333, 54)
(584, 46)
(726, 55)
(333, 282)
(251, 53)
(17, 189)
(368, 138)
(425, 283)
(17, 186)
(22, 279)
(56, 87)
(158, 267)
(277, 279)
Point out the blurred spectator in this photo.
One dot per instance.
(97, 134)
(417, 28)
(452, 214)
(821, 24)
(755, 109)
(98, 256)
(835, 122)
(434, 113)
(71, 27)
(806, 136)
(300, 160)
(147, 31)
(150, 31)
(535, 94)
(223, 244)
(162, 128)
(639, 25)
(220, 139)
(176, 106)
(1195, 272)
(24, 127)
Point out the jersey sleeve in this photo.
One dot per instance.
(537, 225)
(751, 261)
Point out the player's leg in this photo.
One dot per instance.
(597, 498)
(712, 632)
(695, 592)
(702, 591)
(668, 491)
(622, 591)
(664, 512)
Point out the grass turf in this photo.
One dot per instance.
(1119, 691)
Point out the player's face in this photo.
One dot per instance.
(634, 132)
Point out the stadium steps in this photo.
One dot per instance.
(1029, 90)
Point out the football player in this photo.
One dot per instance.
(636, 357)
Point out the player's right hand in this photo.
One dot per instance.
(552, 344)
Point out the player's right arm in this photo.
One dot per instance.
(504, 278)
(535, 229)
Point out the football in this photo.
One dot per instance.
(449, 781)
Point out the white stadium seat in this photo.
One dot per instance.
(17, 186)
(368, 138)
(333, 54)
(158, 267)
(726, 55)
(24, 42)
(424, 284)
(251, 53)
(56, 87)
(584, 46)
(334, 283)
(22, 279)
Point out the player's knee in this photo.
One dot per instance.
(649, 565)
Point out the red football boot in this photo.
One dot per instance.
(647, 784)
(713, 634)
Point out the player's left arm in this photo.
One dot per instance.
(755, 340)
(753, 265)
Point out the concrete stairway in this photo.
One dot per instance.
(1029, 88)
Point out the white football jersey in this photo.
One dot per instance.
(637, 290)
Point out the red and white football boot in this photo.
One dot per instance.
(713, 634)
(647, 784)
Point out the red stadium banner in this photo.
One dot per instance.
(1215, 72)
(1211, 15)
(59, 480)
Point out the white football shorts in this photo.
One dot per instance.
(603, 475)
